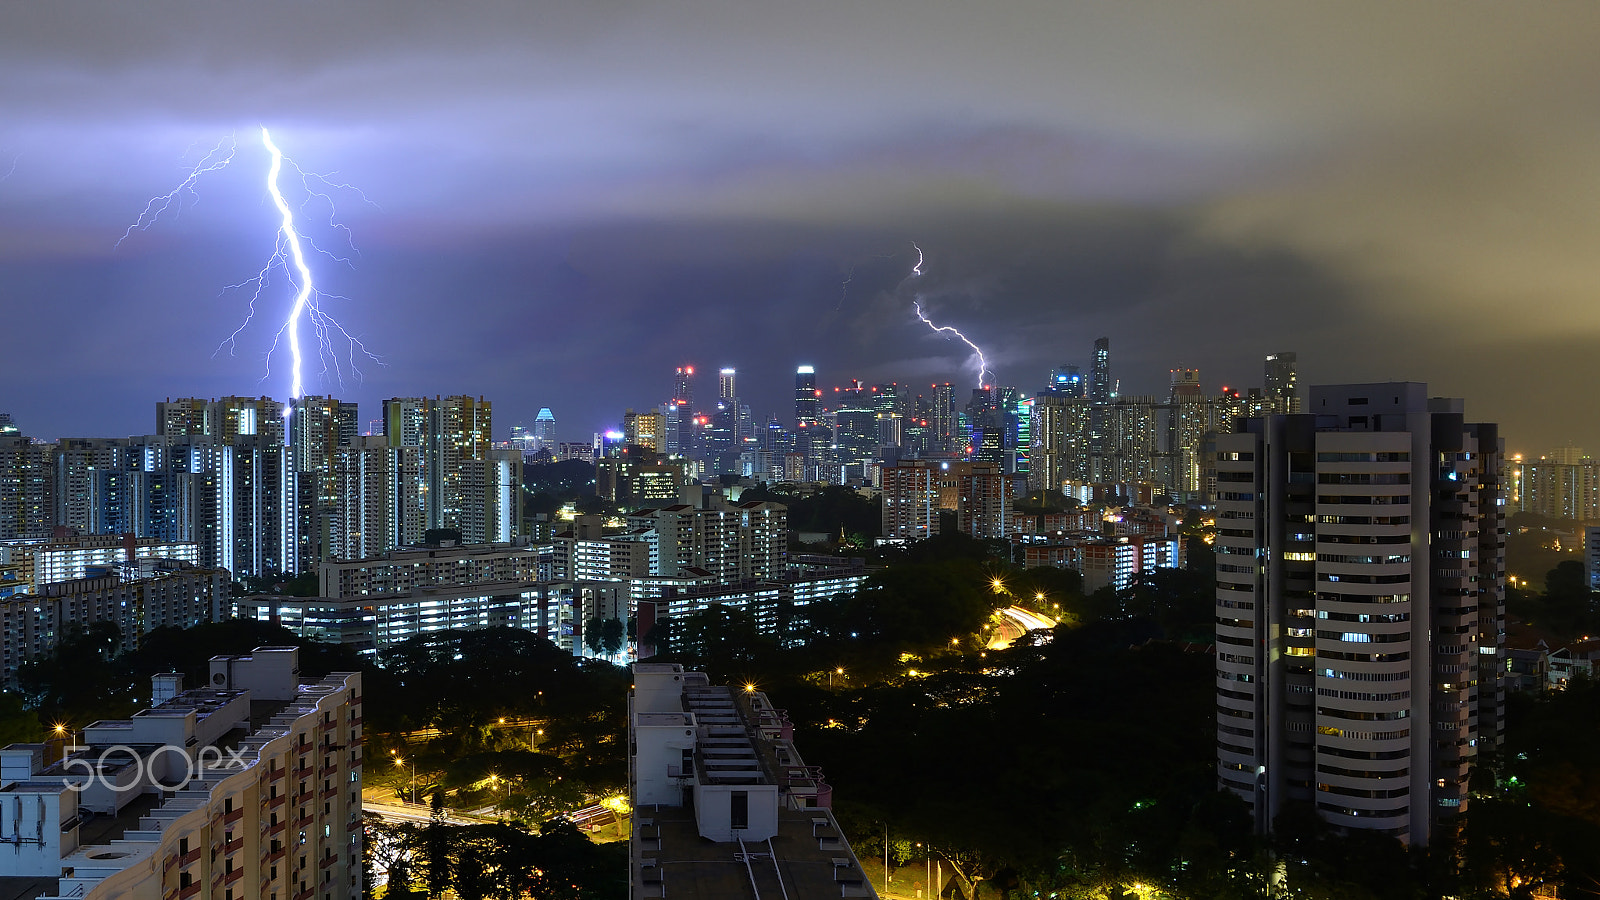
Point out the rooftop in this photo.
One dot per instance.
(808, 855)
(742, 755)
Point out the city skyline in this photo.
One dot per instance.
(566, 203)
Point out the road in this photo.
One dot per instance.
(410, 812)
(1013, 621)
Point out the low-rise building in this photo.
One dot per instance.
(64, 559)
(369, 624)
(409, 568)
(724, 805)
(1114, 562)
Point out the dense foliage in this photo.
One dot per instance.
(831, 510)
(477, 862)
(501, 716)
(1566, 609)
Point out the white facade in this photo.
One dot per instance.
(278, 815)
(407, 569)
(713, 775)
(1360, 608)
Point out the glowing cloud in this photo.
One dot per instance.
(336, 348)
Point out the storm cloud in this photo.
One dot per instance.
(569, 199)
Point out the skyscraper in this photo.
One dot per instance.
(1282, 386)
(726, 388)
(1185, 386)
(683, 400)
(1067, 381)
(1100, 379)
(944, 418)
(1360, 608)
(806, 397)
(544, 430)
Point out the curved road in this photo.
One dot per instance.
(1013, 622)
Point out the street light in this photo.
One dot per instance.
(839, 671)
(401, 761)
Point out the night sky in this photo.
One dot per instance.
(566, 200)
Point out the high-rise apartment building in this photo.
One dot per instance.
(467, 487)
(224, 418)
(1562, 484)
(1360, 607)
(491, 497)
(318, 427)
(730, 542)
(27, 488)
(238, 499)
(405, 421)
(458, 430)
(911, 500)
(381, 499)
(183, 416)
(138, 597)
(915, 492)
(943, 420)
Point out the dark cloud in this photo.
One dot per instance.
(572, 198)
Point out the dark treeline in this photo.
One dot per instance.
(477, 862)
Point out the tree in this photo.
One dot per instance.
(1568, 602)
(592, 637)
(77, 680)
(612, 633)
(435, 857)
(18, 725)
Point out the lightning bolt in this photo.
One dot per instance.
(337, 349)
(844, 289)
(849, 276)
(158, 205)
(287, 235)
(983, 363)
